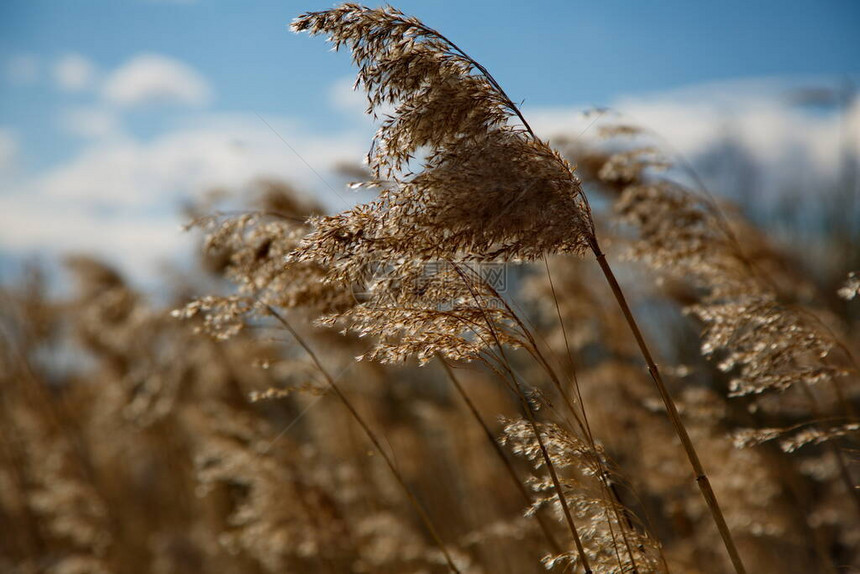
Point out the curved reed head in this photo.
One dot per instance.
(488, 188)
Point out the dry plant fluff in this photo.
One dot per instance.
(489, 188)
(610, 542)
(775, 350)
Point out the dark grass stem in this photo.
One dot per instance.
(833, 447)
(672, 411)
(607, 488)
(509, 467)
(605, 480)
(413, 500)
(529, 412)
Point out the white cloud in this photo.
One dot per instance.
(120, 197)
(137, 244)
(216, 150)
(90, 122)
(74, 73)
(23, 69)
(153, 79)
(758, 115)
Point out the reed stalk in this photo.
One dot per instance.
(332, 384)
(672, 411)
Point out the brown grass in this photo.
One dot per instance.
(358, 393)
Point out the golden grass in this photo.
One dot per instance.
(357, 393)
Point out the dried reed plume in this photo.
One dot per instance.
(489, 188)
(758, 325)
(359, 392)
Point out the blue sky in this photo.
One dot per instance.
(132, 85)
